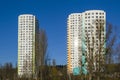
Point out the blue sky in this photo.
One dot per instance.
(52, 16)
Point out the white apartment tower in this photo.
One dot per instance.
(84, 32)
(28, 48)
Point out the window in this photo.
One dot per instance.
(96, 27)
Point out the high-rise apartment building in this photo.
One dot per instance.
(28, 48)
(85, 35)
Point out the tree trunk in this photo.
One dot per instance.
(90, 76)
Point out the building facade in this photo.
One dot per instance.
(85, 39)
(28, 48)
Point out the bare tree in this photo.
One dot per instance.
(54, 62)
(110, 41)
(118, 53)
(98, 47)
(43, 49)
(43, 45)
(94, 47)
